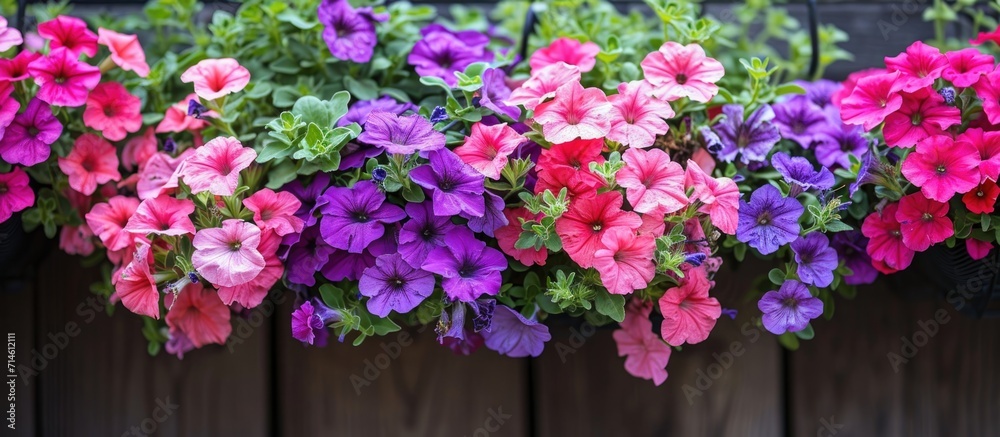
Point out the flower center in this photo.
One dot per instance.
(597, 226)
(236, 245)
(33, 130)
(4, 189)
(799, 127)
(681, 79)
(916, 119)
(361, 216)
(927, 217)
(59, 80)
(979, 193)
(941, 169)
(109, 111)
(790, 302)
(895, 233)
(467, 270)
(764, 219)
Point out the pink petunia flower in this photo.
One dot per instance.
(16, 69)
(920, 65)
(582, 228)
(689, 314)
(978, 249)
(677, 71)
(216, 166)
(253, 293)
(27, 139)
(637, 119)
(228, 256)
(988, 144)
(9, 37)
(874, 98)
(162, 215)
(139, 149)
(92, 161)
(568, 50)
(70, 33)
(966, 66)
(652, 181)
(508, 234)
(983, 37)
(646, 355)
(15, 193)
(942, 167)
(487, 147)
(922, 114)
(108, 221)
(923, 222)
(76, 240)
(575, 112)
(275, 211)
(160, 174)
(135, 285)
(542, 85)
(8, 105)
(625, 260)
(200, 315)
(720, 197)
(214, 78)
(126, 51)
(176, 119)
(885, 245)
(848, 85)
(63, 79)
(112, 110)
(988, 90)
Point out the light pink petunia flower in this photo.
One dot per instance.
(652, 181)
(677, 71)
(228, 256)
(253, 293)
(135, 285)
(487, 147)
(76, 240)
(9, 37)
(689, 314)
(637, 119)
(542, 85)
(92, 161)
(162, 215)
(159, 174)
(176, 119)
(720, 197)
(646, 354)
(568, 50)
(575, 112)
(625, 260)
(200, 316)
(275, 211)
(214, 78)
(216, 166)
(139, 149)
(125, 51)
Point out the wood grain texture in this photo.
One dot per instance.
(17, 316)
(425, 391)
(104, 382)
(709, 391)
(949, 387)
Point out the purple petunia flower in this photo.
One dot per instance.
(769, 221)
(515, 336)
(469, 343)
(838, 143)
(751, 140)
(27, 139)
(439, 114)
(308, 196)
(495, 91)
(309, 322)
(469, 268)
(799, 173)
(483, 310)
(455, 186)
(820, 92)
(422, 233)
(872, 171)
(393, 285)
(453, 325)
(349, 33)
(800, 120)
(850, 246)
(401, 135)
(492, 219)
(305, 257)
(355, 217)
(178, 343)
(790, 308)
(354, 155)
(442, 52)
(343, 265)
(359, 111)
(816, 259)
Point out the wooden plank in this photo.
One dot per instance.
(709, 391)
(425, 390)
(844, 379)
(103, 382)
(17, 317)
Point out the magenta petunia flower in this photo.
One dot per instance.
(455, 186)
(966, 66)
(349, 33)
(393, 285)
(91, 162)
(112, 110)
(27, 139)
(923, 114)
(920, 65)
(215, 78)
(874, 97)
(514, 335)
(942, 167)
(790, 308)
(15, 193)
(216, 166)
(442, 52)
(309, 322)
(923, 222)
(63, 79)
(162, 215)
(70, 33)
(401, 135)
(469, 268)
(886, 247)
(16, 69)
(355, 217)
(568, 50)
(228, 256)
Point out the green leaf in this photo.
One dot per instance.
(985, 220)
(788, 88)
(413, 193)
(789, 341)
(807, 333)
(838, 226)
(777, 276)
(332, 296)
(611, 305)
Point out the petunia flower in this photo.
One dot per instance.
(309, 322)
(359, 111)
(799, 120)
(494, 94)
(159, 174)
(139, 149)
(492, 217)
(251, 294)
(646, 354)
(942, 167)
(112, 110)
(719, 197)
(135, 285)
(874, 98)
(404, 135)
(27, 139)
(349, 33)
(839, 144)
(637, 119)
(625, 260)
(9, 37)
(176, 118)
(568, 50)
(275, 211)
(886, 247)
(508, 235)
(15, 193)
(982, 199)
(200, 315)
(651, 181)
(923, 114)
(63, 79)
(677, 71)
(126, 51)
(455, 186)
(441, 52)
(70, 33)
(769, 220)
(163, 215)
(689, 314)
(343, 265)
(575, 112)
(16, 69)
(355, 217)
(983, 37)
(851, 82)
(309, 195)
(216, 166)
(920, 65)
(108, 220)
(988, 144)
(469, 268)
(215, 78)
(850, 247)
(923, 222)
(542, 85)
(422, 233)
(514, 335)
(487, 147)
(978, 249)
(790, 308)
(394, 285)
(228, 256)
(966, 66)
(582, 228)
(750, 139)
(815, 258)
(178, 343)
(799, 172)
(91, 162)
(306, 255)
